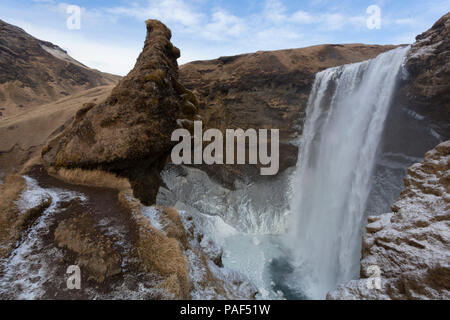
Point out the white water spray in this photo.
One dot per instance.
(347, 109)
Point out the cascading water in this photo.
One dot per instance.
(345, 119)
(347, 109)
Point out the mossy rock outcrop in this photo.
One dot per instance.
(129, 133)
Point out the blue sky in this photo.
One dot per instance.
(112, 32)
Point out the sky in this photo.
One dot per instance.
(108, 35)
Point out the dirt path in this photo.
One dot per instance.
(37, 267)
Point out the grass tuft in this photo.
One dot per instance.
(164, 255)
(93, 178)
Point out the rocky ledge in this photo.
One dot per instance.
(411, 246)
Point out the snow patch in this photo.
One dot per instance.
(154, 215)
(424, 51)
(32, 196)
(28, 268)
(61, 55)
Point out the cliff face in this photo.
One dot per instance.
(411, 246)
(129, 133)
(264, 90)
(33, 72)
(428, 89)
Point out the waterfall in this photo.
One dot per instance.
(346, 112)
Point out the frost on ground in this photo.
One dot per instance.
(32, 196)
(424, 48)
(411, 247)
(36, 267)
(209, 278)
(27, 269)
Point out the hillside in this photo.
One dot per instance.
(24, 134)
(34, 72)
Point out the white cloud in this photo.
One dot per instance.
(333, 21)
(170, 11)
(406, 21)
(275, 11)
(204, 32)
(303, 17)
(358, 21)
(222, 25)
(277, 35)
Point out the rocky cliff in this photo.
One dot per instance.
(427, 90)
(409, 250)
(130, 132)
(264, 90)
(33, 72)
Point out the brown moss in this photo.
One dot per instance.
(157, 76)
(187, 94)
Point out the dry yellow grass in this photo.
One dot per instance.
(172, 285)
(9, 192)
(174, 227)
(93, 178)
(159, 252)
(164, 255)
